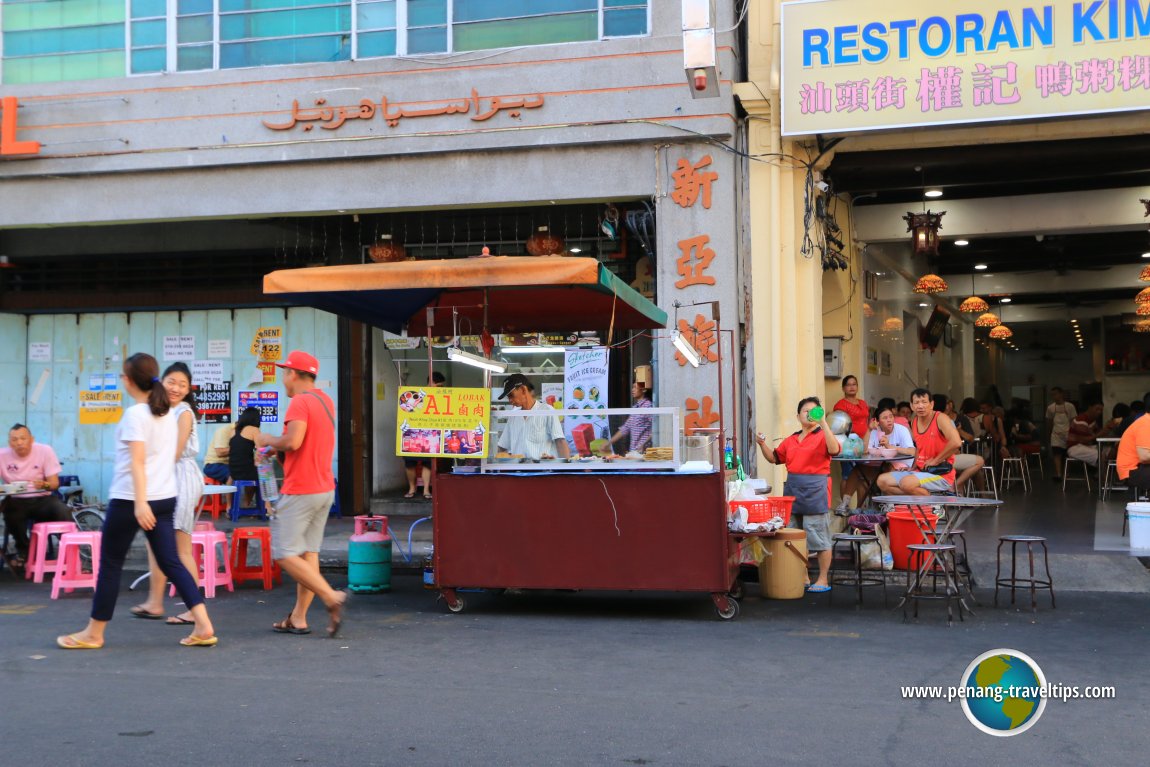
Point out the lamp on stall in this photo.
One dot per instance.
(923, 228)
(987, 320)
(685, 348)
(974, 304)
(455, 354)
(930, 284)
(531, 349)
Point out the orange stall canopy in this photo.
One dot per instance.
(517, 293)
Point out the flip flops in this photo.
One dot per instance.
(409, 495)
(139, 612)
(335, 615)
(812, 589)
(287, 627)
(70, 642)
(195, 641)
(176, 620)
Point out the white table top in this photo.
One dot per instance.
(936, 500)
(219, 489)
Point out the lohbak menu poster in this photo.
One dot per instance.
(442, 421)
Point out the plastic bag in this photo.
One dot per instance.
(884, 546)
(870, 554)
(852, 447)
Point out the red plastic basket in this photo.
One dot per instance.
(762, 509)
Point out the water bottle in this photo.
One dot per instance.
(729, 456)
(742, 475)
(429, 570)
(266, 469)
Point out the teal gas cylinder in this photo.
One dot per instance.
(369, 556)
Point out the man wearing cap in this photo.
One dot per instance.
(307, 492)
(25, 460)
(532, 438)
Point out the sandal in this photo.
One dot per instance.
(179, 620)
(70, 642)
(409, 495)
(139, 612)
(287, 627)
(195, 641)
(335, 613)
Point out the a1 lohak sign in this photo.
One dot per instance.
(9, 124)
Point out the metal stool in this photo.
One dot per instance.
(1014, 582)
(944, 565)
(855, 577)
(992, 486)
(1111, 475)
(1041, 466)
(1009, 468)
(1066, 472)
(962, 566)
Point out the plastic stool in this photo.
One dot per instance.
(71, 574)
(238, 509)
(38, 562)
(214, 504)
(1014, 582)
(943, 554)
(855, 576)
(267, 569)
(204, 544)
(1014, 470)
(204, 526)
(1066, 472)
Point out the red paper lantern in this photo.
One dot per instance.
(543, 243)
(386, 250)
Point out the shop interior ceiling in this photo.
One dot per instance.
(221, 263)
(1088, 270)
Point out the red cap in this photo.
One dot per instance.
(301, 361)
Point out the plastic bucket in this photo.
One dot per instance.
(783, 571)
(904, 531)
(1139, 514)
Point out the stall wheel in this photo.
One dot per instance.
(453, 601)
(725, 606)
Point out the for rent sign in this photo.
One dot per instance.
(9, 124)
(849, 65)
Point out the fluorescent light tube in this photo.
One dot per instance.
(467, 358)
(685, 348)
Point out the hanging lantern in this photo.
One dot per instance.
(930, 283)
(1145, 275)
(923, 228)
(892, 325)
(1143, 296)
(386, 250)
(1143, 310)
(543, 243)
(987, 320)
(1001, 332)
(974, 305)
(1142, 326)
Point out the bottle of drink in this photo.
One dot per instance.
(429, 570)
(739, 467)
(729, 456)
(266, 469)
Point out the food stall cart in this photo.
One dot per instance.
(576, 524)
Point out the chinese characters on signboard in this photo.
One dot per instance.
(442, 421)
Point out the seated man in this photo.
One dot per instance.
(936, 441)
(26, 461)
(1081, 440)
(216, 457)
(1134, 455)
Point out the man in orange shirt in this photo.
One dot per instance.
(1134, 454)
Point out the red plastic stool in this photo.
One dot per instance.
(38, 562)
(267, 569)
(71, 574)
(214, 504)
(204, 543)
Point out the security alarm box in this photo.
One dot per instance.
(832, 357)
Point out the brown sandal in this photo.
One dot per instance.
(335, 613)
(287, 627)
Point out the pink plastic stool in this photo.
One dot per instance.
(38, 562)
(204, 544)
(71, 574)
(207, 524)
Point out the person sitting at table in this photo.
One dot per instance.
(25, 460)
(1081, 440)
(1133, 461)
(216, 457)
(242, 448)
(807, 456)
(936, 441)
(903, 414)
(884, 434)
(967, 466)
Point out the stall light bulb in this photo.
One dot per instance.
(474, 360)
(685, 349)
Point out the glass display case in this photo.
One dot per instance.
(596, 438)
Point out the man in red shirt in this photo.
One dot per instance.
(307, 493)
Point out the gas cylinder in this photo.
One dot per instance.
(369, 556)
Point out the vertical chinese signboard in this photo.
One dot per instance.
(442, 421)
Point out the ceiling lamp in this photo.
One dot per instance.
(931, 284)
(1143, 310)
(924, 231)
(1000, 332)
(685, 348)
(974, 304)
(386, 250)
(1143, 296)
(891, 325)
(543, 243)
(987, 320)
(1142, 326)
(868, 310)
(1145, 275)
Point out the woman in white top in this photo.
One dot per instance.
(884, 433)
(142, 497)
(177, 383)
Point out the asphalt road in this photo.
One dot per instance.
(595, 679)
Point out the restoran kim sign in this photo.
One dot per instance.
(849, 65)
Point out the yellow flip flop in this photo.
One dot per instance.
(195, 641)
(70, 642)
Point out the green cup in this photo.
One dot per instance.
(816, 414)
